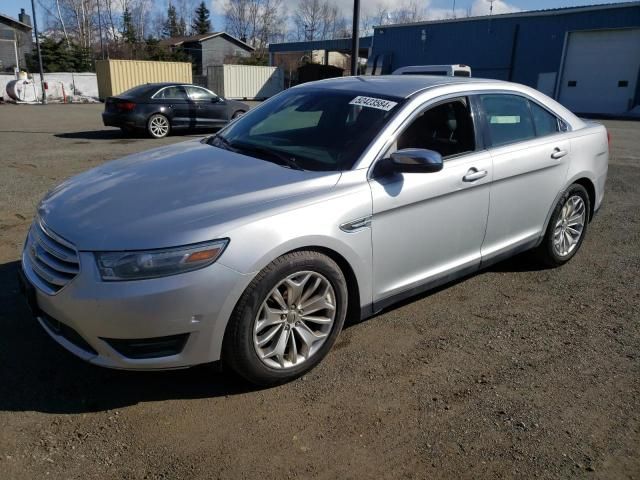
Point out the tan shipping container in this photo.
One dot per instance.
(245, 82)
(116, 76)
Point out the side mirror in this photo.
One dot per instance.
(216, 99)
(416, 160)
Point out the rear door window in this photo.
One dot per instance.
(508, 118)
(171, 93)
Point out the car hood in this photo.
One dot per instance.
(176, 195)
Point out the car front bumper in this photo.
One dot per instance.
(164, 323)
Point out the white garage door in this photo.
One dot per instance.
(600, 71)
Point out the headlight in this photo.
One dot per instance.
(158, 263)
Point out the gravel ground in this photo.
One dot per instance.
(514, 372)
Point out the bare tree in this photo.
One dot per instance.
(237, 21)
(318, 19)
(256, 22)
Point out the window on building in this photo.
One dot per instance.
(446, 128)
(508, 118)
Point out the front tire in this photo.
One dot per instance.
(158, 126)
(567, 227)
(237, 114)
(287, 319)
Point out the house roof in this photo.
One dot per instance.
(177, 41)
(7, 20)
(526, 13)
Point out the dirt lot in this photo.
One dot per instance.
(514, 372)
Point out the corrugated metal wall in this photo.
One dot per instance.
(516, 48)
(247, 82)
(116, 76)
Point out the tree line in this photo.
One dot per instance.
(77, 32)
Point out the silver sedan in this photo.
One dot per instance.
(332, 199)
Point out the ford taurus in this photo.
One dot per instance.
(333, 198)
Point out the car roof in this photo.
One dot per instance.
(166, 84)
(402, 86)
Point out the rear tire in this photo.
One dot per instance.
(158, 126)
(269, 339)
(237, 114)
(567, 227)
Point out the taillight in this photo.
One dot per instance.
(126, 106)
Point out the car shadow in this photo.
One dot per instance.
(116, 134)
(38, 375)
(523, 262)
(100, 135)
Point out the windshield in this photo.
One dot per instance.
(310, 129)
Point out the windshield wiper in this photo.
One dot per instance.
(220, 142)
(281, 158)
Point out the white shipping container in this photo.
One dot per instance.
(245, 82)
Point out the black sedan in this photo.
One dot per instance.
(160, 108)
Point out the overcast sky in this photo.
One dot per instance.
(435, 8)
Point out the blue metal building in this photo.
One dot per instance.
(586, 57)
(534, 48)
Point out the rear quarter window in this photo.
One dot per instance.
(545, 122)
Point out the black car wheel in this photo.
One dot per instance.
(287, 319)
(237, 114)
(158, 126)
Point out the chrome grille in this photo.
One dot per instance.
(52, 260)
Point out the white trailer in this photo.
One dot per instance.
(458, 70)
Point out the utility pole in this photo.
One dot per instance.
(15, 51)
(490, 13)
(355, 42)
(35, 31)
(100, 30)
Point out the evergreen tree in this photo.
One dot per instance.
(182, 27)
(57, 56)
(154, 51)
(128, 29)
(171, 26)
(201, 23)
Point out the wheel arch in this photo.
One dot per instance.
(236, 112)
(353, 287)
(591, 191)
(355, 310)
(581, 179)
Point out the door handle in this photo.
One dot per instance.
(557, 153)
(474, 174)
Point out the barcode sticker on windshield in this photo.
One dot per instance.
(371, 102)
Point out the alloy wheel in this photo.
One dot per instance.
(295, 320)
(159, 126)
(569, 227)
